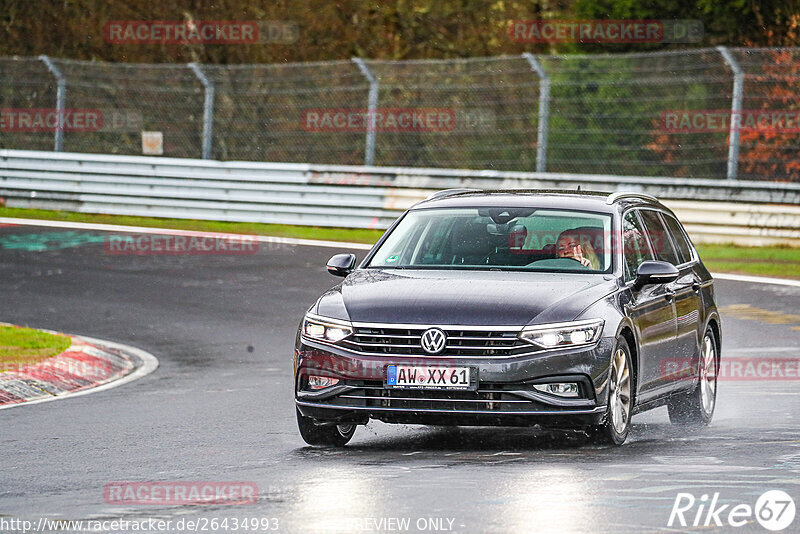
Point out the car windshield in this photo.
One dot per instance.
(498, 238)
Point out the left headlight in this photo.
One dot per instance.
(558, 335)
(324, 329)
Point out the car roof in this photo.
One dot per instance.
(547, 198)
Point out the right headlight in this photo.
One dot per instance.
(324, 329)
(558, 335)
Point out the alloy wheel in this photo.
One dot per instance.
(620, 392)
(708, 375)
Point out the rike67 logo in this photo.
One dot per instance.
(774, 510)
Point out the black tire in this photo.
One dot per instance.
(617, 420)
(325, 435)
(696, 408)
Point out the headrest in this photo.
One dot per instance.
(473, 240)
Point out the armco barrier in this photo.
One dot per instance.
(751, 213)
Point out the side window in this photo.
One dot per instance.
(684, 250)
(662, 246)
(635, 247)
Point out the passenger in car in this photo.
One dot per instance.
(570, 245)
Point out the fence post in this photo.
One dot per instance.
(736, 111)
(544, 111)
(372, 104)
(208, 108)
(61, 96)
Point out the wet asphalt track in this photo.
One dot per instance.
(220, 408)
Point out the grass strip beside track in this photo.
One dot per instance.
(353, 235)
(25, 346)
(775, 261)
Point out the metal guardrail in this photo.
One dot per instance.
(356, 196)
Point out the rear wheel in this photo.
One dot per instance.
(614, 430)
(329, 435)
(697, 408)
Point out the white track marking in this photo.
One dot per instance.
(756, 279)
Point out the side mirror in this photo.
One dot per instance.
(655, 272)
(341, 264)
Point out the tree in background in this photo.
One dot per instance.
(771, 83)
(773, 152)
(725, 22)
(341, 29)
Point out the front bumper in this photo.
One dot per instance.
(504, 395)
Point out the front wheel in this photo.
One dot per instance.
(327, 435)
(697, 408)
(617, 423)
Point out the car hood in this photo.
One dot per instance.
(461, 297)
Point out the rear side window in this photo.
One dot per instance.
(662, 246)
(635, 246)
(682, 246)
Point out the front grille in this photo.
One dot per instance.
(406, 341)
(489, 397)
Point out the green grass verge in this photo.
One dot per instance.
(25, 346)
(355, 235)
(756, 269)
(779, 262)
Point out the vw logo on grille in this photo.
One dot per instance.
(433, 341)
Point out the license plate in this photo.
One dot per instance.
(434, 377)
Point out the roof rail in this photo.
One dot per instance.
(448, 192)
(613, 197)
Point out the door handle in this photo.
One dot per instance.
(695, 286)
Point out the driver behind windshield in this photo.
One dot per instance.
(570, 245)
